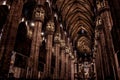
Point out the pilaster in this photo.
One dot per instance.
(62, 71)
(57, 54)
(50, 28)
(105, 42)
(38, 17)
(9, 36)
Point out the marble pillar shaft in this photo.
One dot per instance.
(72, 70)
(107, 20)
(67, 67)
(49, 55)
(98, 62)
(62, 63)
(36, 41)
(57, 53)
(105, 59)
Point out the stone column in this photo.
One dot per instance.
(35, 48)
(95, 69)
(69, 67)
(107, 49)
(72, 69)
(68, 52)
(98, 59)
(108, 24)
(104, 55)
(66, 61)
(57, 53)
(49, 30)
(9, 36)
(38, 16)
(75, 70)
(62, 73)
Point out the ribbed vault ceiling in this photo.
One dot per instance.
(78, 15)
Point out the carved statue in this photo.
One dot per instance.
(57, 37)
(50, 26)
(98, 5)
(98, 21)
(13, 57)
(39, 13)
(62, 43)
(11, 69)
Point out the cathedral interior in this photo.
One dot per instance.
(60, 39)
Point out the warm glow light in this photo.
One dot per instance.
(48, 2)
(42, 33)
(92, 63)
(68, 39)
(4, 3)
(72, 57)
(55, 15)
(32, 24)
(26, 23)
(61, 25)
(43, 38)
(23, 19)
(8, 6)
(70, 53)
(65, 32)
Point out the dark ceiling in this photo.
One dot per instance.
(78, 15)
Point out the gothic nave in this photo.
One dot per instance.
(60, 39)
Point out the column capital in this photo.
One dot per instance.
(71, 57)
(50, 27)
(62, 44)
(39, 13)
(102, 6)
(57, 38)
(67, 50)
